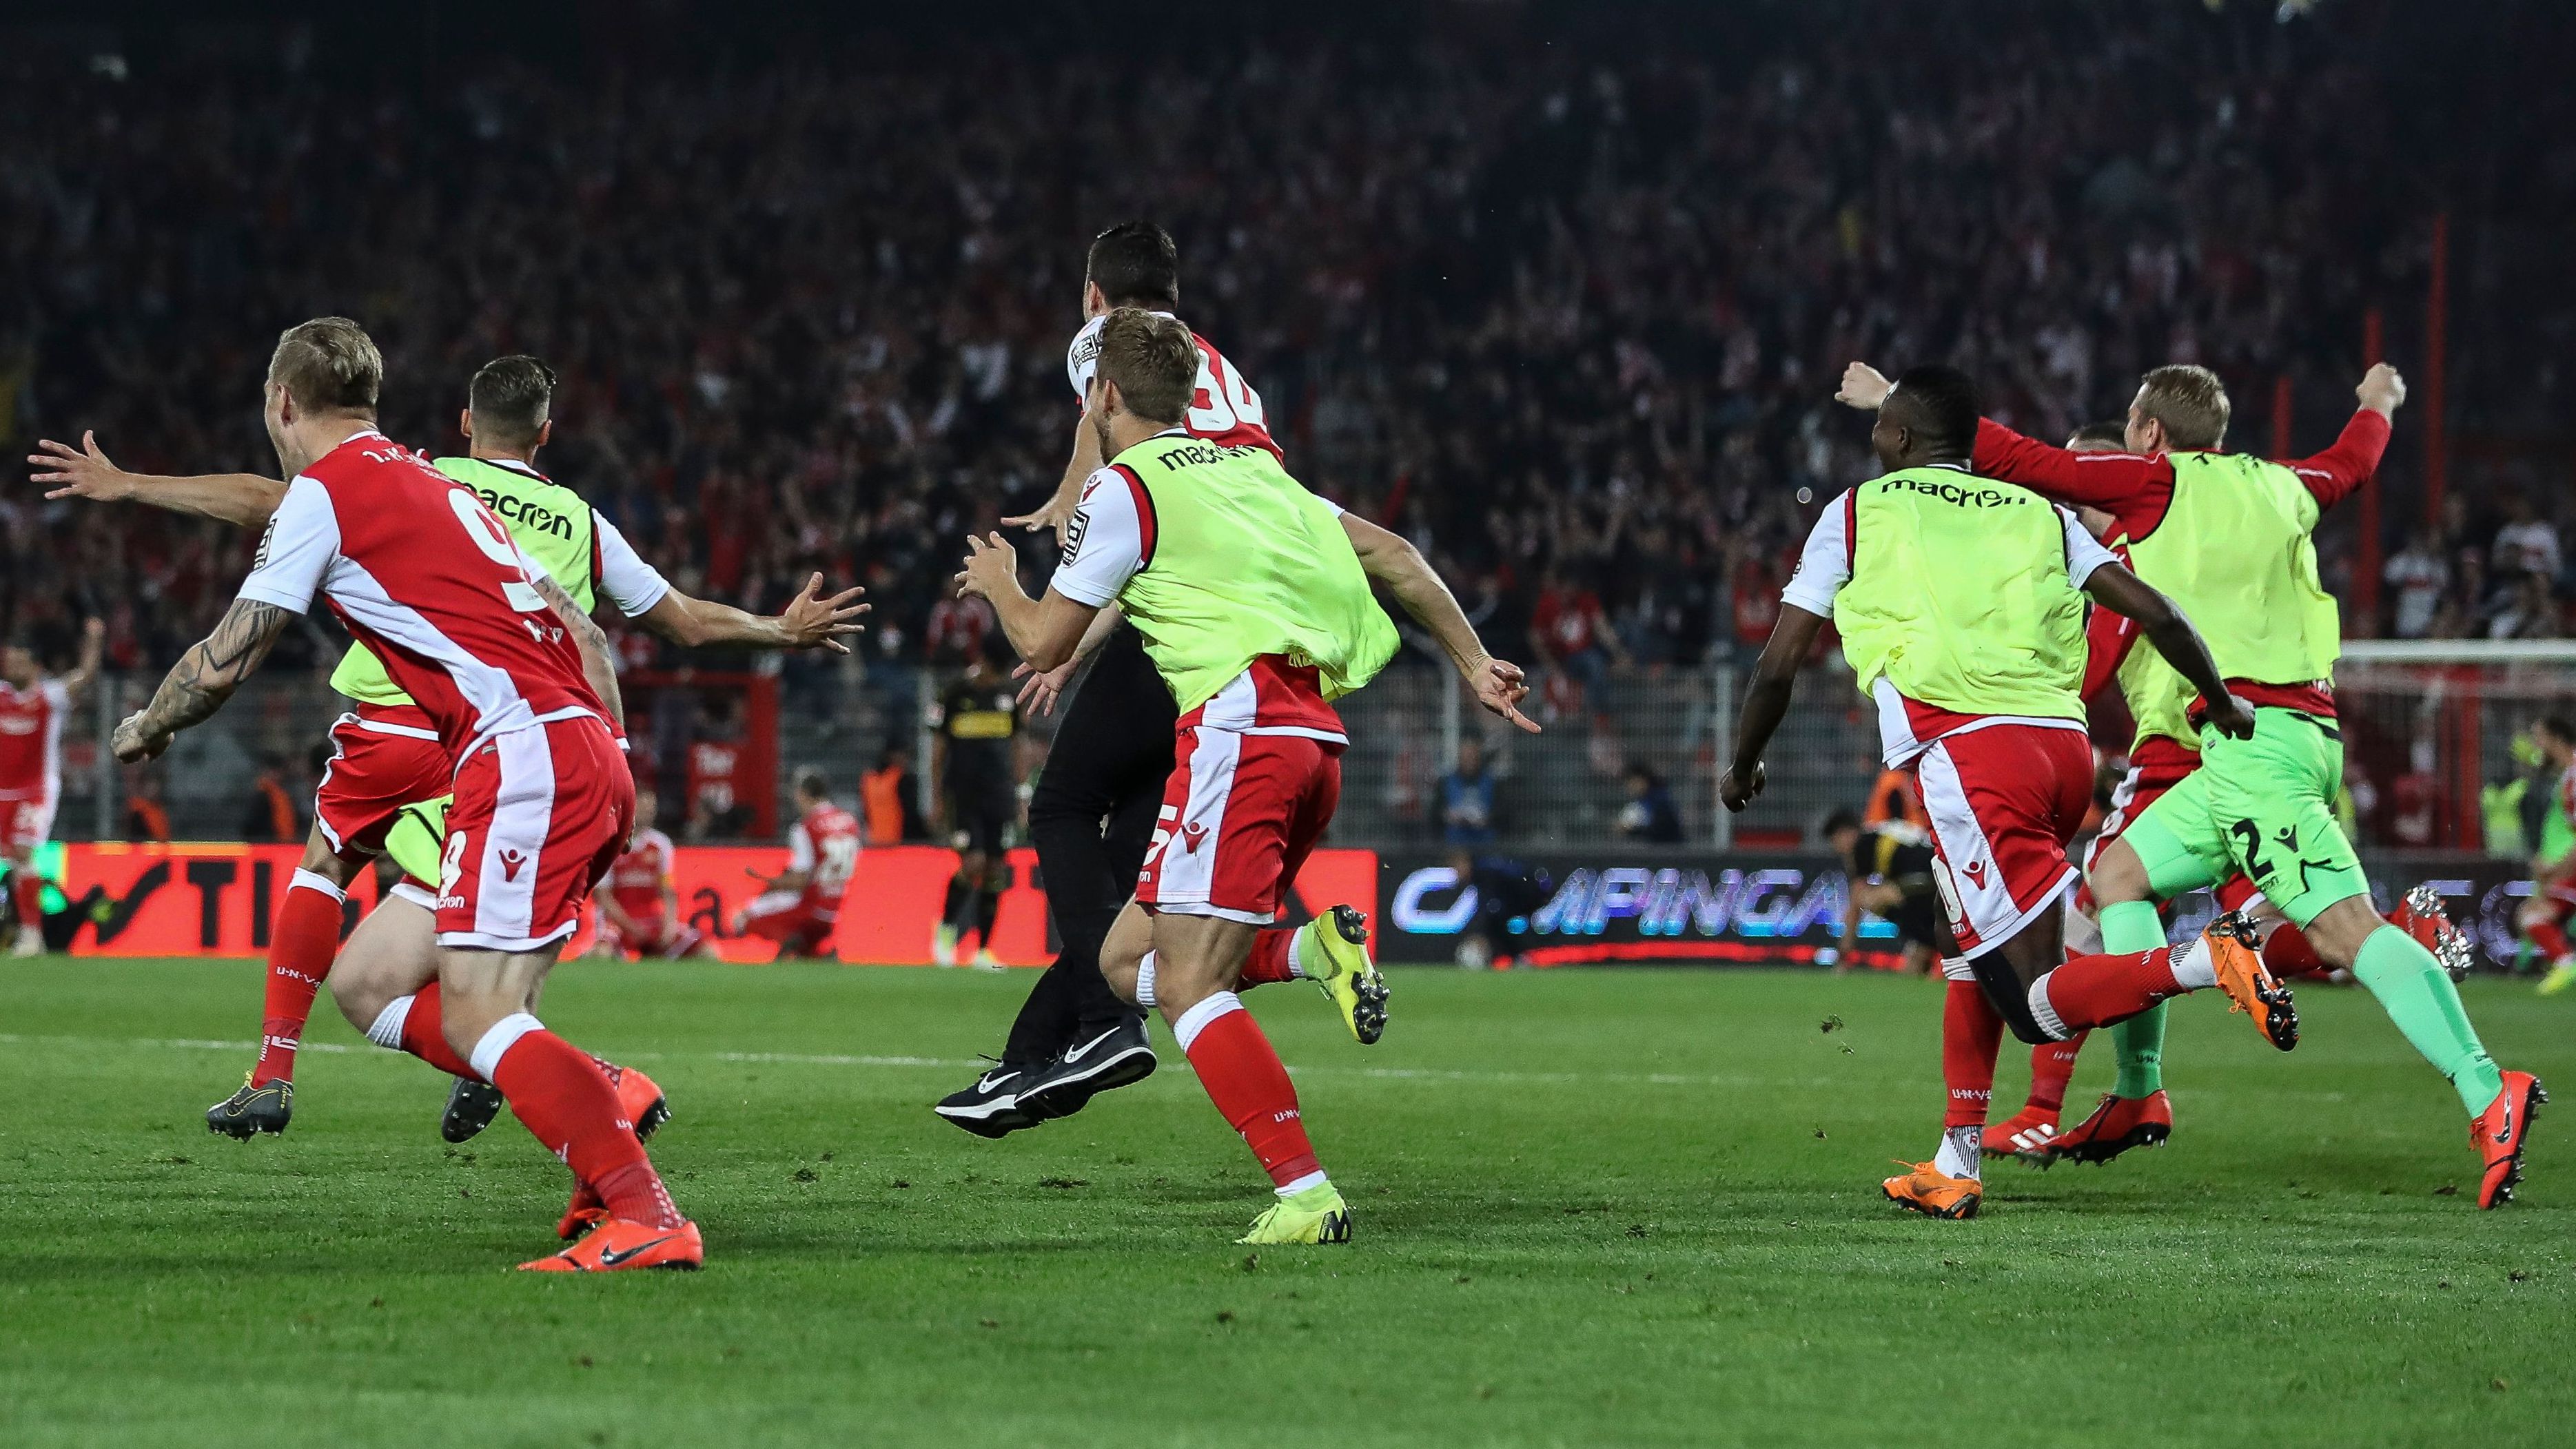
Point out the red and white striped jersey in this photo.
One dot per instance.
(635, 881)
(1224, 409)
(825, 845)
(31, 739)
(417, 567)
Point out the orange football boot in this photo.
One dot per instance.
(2116, 1125)
(2499, 1133)
(2235, 951)
(1928, 1190)
(618, 1243)
(638, 1098)
(2029, 1135)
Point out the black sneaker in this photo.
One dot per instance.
(991, 1107)
(1102, 1062)
(471, 1106)
(258, 1107)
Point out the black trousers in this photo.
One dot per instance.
(1091, 818)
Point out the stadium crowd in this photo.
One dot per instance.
(1569, 318)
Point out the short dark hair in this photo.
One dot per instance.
(2112, 434)
(1841, 820)
(328, 365)
(1134, 264)
(511, 398)
(1941, 404)
(1154, 361)
(2556, 725)
(2190, 401)
(811, 785)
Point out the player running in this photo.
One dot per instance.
(517, 682)
(32, 708)
(387, 758)
(1255, 607)
(2229, 536)
(975, 726)
(1092, 808)
(639, 908)
(800, 907)
(2543, 918)
(1961, 608)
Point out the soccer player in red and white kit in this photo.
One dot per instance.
(802, 906)
(518, 684)
(639, 912)
(31, 769)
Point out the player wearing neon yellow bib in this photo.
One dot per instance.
(1253, 599)
(1960, 601)
(2229, 537)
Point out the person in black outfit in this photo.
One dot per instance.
(1890, 866)
(978, 721)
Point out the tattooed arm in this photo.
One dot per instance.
(203, 679)
(590, 639)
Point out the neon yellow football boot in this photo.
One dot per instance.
(2560, 977)
(1317, 1215)
(1332, 950)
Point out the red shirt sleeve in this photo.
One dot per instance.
(2333, 475)
(2133, 489)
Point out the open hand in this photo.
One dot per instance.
(82, 472)
(992, 568)
(1055, 513)
(1044, 687)
(813, 621)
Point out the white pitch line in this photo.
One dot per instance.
(803, 1059)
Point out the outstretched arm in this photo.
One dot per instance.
(810, 621)
(1766, 703)
(93, 644)
(203, 678)
(589, 638)
(1392, 560)
(1057, 511)
(2115, 588)
(243, 499)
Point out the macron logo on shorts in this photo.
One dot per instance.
(1975, 871)
(1191, 835)
(511, 860)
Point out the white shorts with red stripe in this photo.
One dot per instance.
(2005, 799)
(383, 757)
(26, 821)
(1241, 812)
(540, 815)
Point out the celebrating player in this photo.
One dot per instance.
(639, 912)
(517, 683)
(1961, 608)
(1256, 610)
(2230, 537)
(1092, 810)
(800, 907)
(31, 769)
(387, 757)
(975, 724)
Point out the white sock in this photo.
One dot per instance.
(2193, 968)
(1315, 1178)
(387, 1030)
(1296, 940)
(1145, 982)
(1960, 1155)
(305, 880)
(2043, 1012)
(496, 1043)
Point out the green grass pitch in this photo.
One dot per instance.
(1612, 1207)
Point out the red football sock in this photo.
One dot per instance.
(2099, 990)
(2549, 936)
(1243, 1076)
(28, 891)
(2287, 953)
(1971, 1034)
(299, 956)
(2052, 1066)
(565, 1100)
(1269, 960)
(424, 1035)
